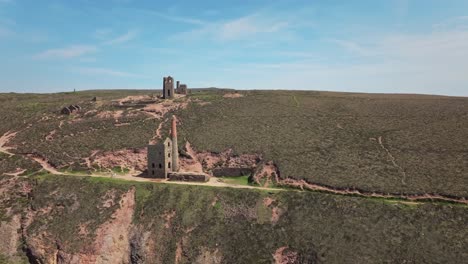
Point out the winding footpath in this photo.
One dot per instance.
(301, 185)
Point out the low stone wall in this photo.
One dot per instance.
(231, 172)
(188, 176)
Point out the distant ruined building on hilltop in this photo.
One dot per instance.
(181, 88)
(168, 88)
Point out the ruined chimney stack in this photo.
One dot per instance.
(175, 149)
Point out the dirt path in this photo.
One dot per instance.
(4, 140)
(16, 173)
(216, 182)
(46, 166)
(368, 194)
(392, 159)
(300, 184)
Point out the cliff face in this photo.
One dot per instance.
(82, 220)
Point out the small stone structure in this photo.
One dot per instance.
(67, 110)
(181, 88)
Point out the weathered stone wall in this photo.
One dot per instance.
(231, 172)
(188, 176)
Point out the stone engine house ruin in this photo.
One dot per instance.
(163, 157)
(168, 88)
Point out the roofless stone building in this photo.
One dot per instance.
(163, 157)
(168, 88)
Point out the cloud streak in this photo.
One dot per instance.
(172, 17)
(122, 38)
(434, 63)
(256, 24)
(67, 52)
(106, 72)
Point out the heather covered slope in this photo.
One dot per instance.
(399, 144)
(385, 143)
(68, 219)
(412, 144)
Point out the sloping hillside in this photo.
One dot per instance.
(70, 219)
(385, 143)
(358, 152)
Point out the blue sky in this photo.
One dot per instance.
(392, 46)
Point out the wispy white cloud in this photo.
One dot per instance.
(170, 16)
(4, 32)
(88, 59)
(106, 72)
(434, 62)
(353, 47)
(131, 34)
(248, 25)
(455, 23)
(401, 7)
(238, 28)
(67, 52)
(102, 33)
(75, 51)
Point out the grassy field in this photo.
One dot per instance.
(240, 224)
(241, 180)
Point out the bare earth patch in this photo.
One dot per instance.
(268, 172)
(158, 110)
(133, 159)
(133, 98)
(227, 158)
(110, 114)
(284, 255)
(276, 212)
(4, 140)
(51, 134)
(45, 164)
(11, 237)
(191, 164)
(232, 95)
(111, 243)
(168, 218)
